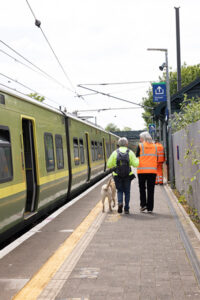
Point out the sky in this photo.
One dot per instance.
(95, 42)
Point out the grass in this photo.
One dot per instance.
(192, 213)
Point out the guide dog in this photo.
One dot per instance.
(108, 190)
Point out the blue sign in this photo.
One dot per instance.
(152, 128)
(159, 92)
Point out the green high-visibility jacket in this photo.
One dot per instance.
(112, 161)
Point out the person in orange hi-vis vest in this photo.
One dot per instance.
(146, 171)
(161, 160)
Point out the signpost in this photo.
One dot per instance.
(159, 92)
(170, 142)
(152, 130)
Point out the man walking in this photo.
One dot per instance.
(122, 159)
(147, 170)
(161, 160)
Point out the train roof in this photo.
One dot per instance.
(24, 97)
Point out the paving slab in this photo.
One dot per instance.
(135, 256)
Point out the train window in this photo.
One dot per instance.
(2, 99)
(6, 169)
(107, 149)
(82, 156)
(93, 154)
(113, 146)
(100, 151)
(49, 152)
(59, 151)
(76, 151)
(96, 151)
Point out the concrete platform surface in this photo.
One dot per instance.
(117, 256)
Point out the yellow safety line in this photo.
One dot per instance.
(37, 283)
(12, 189)
(52, 177)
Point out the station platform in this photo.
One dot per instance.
(80, 253)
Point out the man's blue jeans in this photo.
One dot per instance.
(123, 186)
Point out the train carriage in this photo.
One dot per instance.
(46, 156)
(87, 150)
(36, 159)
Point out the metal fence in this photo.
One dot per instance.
(186, 150)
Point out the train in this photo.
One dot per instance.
(47, 156)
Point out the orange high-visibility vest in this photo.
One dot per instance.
(161, 152)
(159, 177)
(148, 158)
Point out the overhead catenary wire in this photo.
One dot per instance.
(109, 95)
(103, 109)
(120, 91)
(16, 81)
(28, 88)
(118, 83)
(15, 90)
(38, 24)
(112, 83)
(42, 72)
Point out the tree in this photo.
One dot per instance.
(37, 97)
(126, 129)
(112, 127)
(189, 113)
(188, 74)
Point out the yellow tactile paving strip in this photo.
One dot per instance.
(38, 282)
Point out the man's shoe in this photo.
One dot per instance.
(149, 211)
(142, 209)
(120, 207)
(126, 211)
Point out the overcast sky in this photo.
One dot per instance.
(96, 42)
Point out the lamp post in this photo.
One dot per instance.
(170, 144)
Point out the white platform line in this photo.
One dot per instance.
(50, 218)
(60, 278)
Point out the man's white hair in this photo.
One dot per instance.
(122, 142)
(146, 137)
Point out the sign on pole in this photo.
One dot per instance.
(159, 92)
(152, 128)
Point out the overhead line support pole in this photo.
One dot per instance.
(178, 49)
(170, 142)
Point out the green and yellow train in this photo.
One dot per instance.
(46, 157)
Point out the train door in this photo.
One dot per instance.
(88, 155)
(30, 166)
(104, 154)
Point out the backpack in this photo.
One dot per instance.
(123, 168)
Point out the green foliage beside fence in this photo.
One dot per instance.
(190, 113)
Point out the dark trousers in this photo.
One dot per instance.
(146, 187)
(123, 186)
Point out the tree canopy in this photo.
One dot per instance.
(126, 128)
(188, 74)
(112, 127)
(37, 97)
(189, 113)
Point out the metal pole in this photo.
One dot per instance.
(160, 133)
(170, 144)
(178, 49)
(169, 129)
